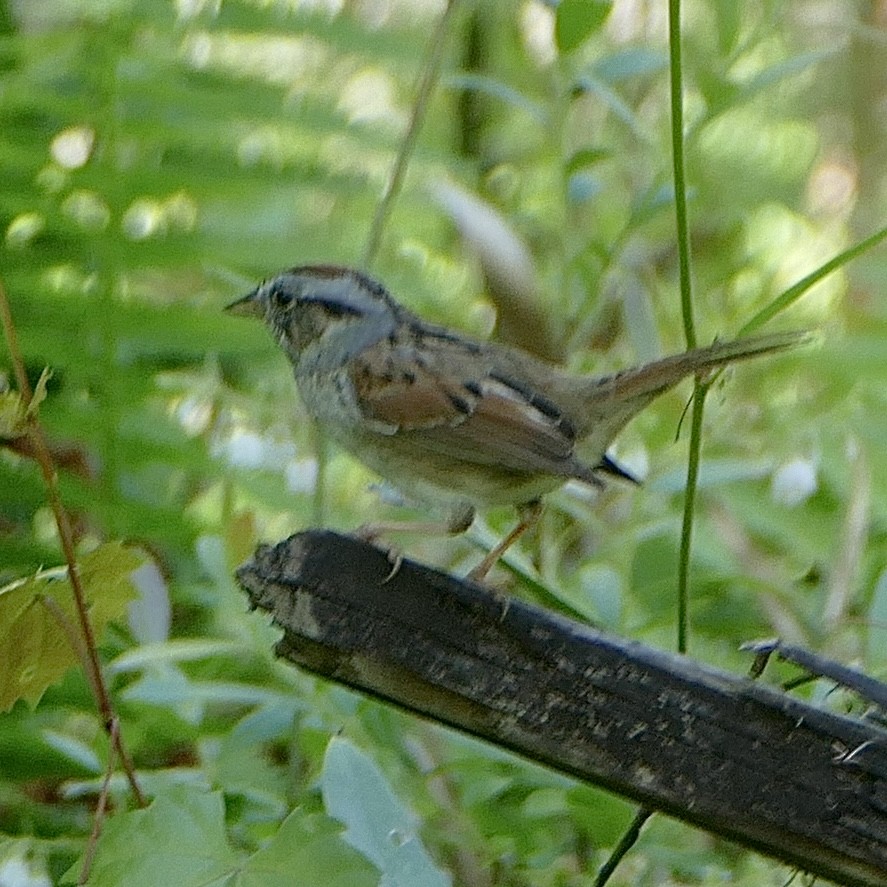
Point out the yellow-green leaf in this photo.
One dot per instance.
(576, 20)
(12, 414)
(39, 392)
(36, 649)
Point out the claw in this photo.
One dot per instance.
(370, 534)
(395, 557)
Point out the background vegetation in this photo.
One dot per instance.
(158, 158)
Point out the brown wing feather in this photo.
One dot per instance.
(469, 416)
(393, 387)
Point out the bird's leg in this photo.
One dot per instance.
(529, 515)
(458, 521)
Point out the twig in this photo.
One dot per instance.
(689, 514)
(74, 639)
(423, 97)
(677, 155)
(683, 240)
(626, 842)
(102, 806)
(66, 537)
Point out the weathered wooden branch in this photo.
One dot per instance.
(722, 752)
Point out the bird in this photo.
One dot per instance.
(450, 420)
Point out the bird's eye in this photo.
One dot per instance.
(282, 298)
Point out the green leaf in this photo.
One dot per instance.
(37, 649)
(606, 816)
(173, 651)
(12, 415)
(794, 292)
(312, 846)
(620, 108)
(498, 90)
(728, 19)
(629, 63)
(39, 392)
(179, 839)
(356, 793)
(577, 20)
(789, 67)
(584, 158)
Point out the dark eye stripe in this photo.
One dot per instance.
(281, 298)
(335, 307)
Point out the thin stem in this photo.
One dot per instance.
(66, 537)
(680, 181)
(683, 235)
(423, 97)
(74, 639)
(101, 807)
(626, 842)
(796, 290)
(693, 460)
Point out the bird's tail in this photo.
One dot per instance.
(612, 400)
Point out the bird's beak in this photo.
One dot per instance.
(249, 306)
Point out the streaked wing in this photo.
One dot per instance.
(443, 396)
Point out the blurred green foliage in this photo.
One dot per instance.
(159, 157)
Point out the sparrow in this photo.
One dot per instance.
(449, 419)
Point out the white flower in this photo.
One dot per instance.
(794, 482)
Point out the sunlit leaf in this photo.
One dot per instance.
(312, 846)
(357, 794)
(14, 414)
(39, 392)
(797, 290)
(11, 414)
(584, 158)
(577, 20)
(38, 649)
(179, 839)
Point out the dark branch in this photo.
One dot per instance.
(724, 753)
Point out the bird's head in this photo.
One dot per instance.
(316, 304)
